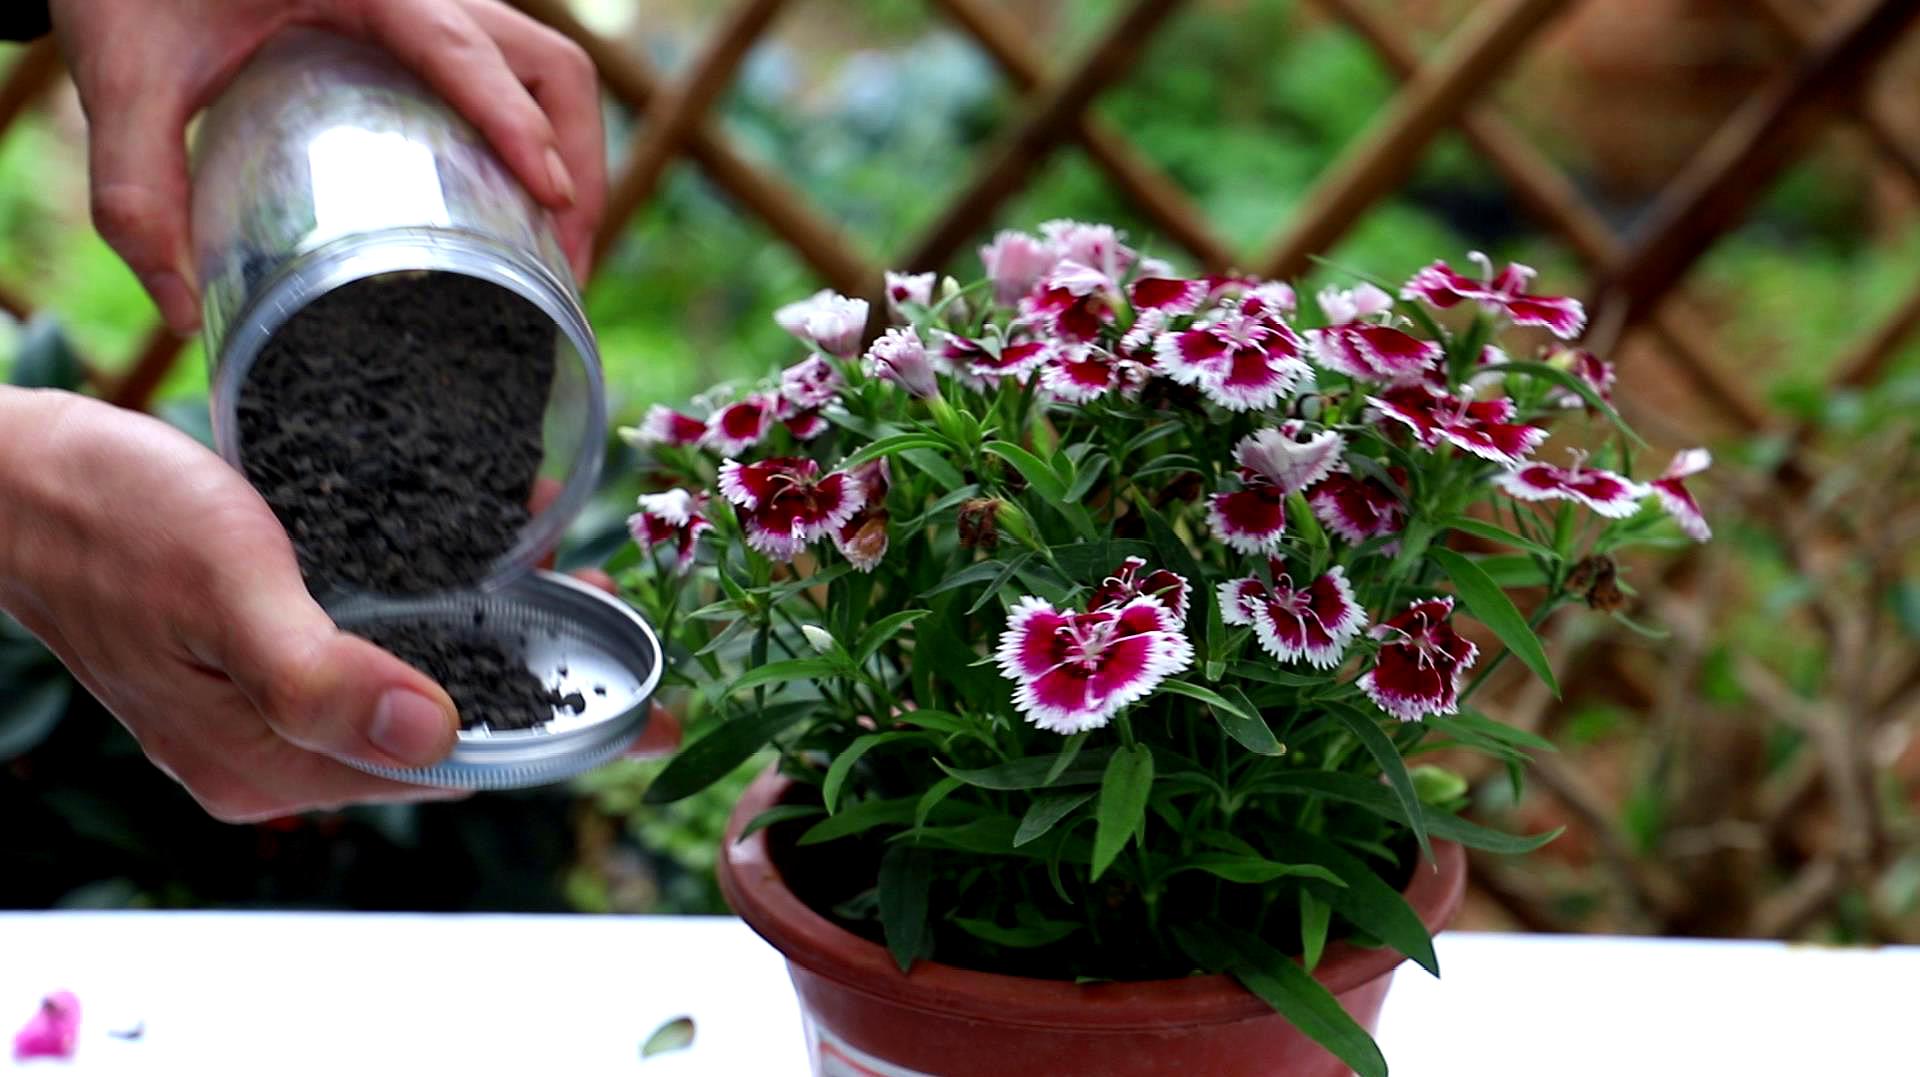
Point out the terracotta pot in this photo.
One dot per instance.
(865, 1018)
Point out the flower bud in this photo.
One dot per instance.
(1437, 786)
(820, 638)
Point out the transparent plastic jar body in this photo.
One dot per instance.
(324, 163)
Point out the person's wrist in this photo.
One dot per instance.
(28, 418)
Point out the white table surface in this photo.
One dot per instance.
(256, 994)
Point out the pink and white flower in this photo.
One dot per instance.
(1282, 457)
(1421, 662)
(1097, 246)
(1362, 302)
(788, 504)
(1316, 622)
(1273, 463)
(828, 320)
(900, 357)
(1484, 428)
(665, 426)
(1368, 351)
(740, 426)
(1241, 355)
(1167, 295)
(1358, 509)
(980, 364)
(1083, 373)
(908, 290)
(1594, 371)
(1502, 293)
(1131, 581)
(675, 516)
(811, 383)
(1016, 262)
(1073, 671)
(862, 540)
(1074, 303)
(52, 1032)
(1673, 495)
(1610, 495)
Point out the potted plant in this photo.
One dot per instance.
(1100, 619)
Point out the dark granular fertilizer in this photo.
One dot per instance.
(395, 427)
(491, 687)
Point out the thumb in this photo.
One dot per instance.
(323, 689)
(140, 192)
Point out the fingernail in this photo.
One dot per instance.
(177, 303)
(562, 179)
(411, 728)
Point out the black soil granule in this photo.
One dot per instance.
(489, 685)
(395, 427)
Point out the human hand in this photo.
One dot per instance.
(167, 586)
(144, 69)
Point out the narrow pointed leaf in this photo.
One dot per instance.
(1382, 749)
(716, 754)
(1122, 809)
(1487, 602)
(1292, 991)
(906, 875)
(1366, 901)
(844, 762)
(1045, 813)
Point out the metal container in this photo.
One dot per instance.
(326, 163)
(577, 639)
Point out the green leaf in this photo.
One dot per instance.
(993, 589)
(861, 817)
(1496, 533)
(989, 836)
(1065, 758)
(898, 443)
(1372, 796)
(1513, 570)
(792, 669)
(906, 875)
(1091, 471)
(675, 1035)
(1288, 988)
(716, 754)
(935, 464)
(1315, 917)
(883, 630)
(1040, 477)
(931, 799)
(1367, 731)
(30, 712)
(1032, 772)
(1240, 719)
(776, 815)
(1122, 809)
(1487, 602)
(1574, 385)
(978, 572)
(1252, 869)
(844, 762)
(1045, 812)
(1254, 671)
(1476, 722)
(726, 636)
(45, 359)
(1366, 901)
(1025, 937)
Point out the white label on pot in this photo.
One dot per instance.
(835, 1057)
(365, 180)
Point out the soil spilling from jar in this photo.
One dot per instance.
(395, 427)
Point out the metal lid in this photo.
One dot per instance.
(577, 639)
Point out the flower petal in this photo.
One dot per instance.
(1251, 521)
(1292, 465)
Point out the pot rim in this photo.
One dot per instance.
(755, 890)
